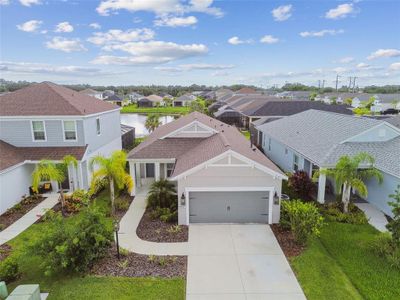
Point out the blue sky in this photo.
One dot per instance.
(123, 42)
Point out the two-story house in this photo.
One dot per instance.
(48, 121)
(315, 139)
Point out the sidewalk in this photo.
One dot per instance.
(28, 219)
(375, 216)
(129, 240)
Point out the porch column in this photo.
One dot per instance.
(132, 172)
(80, 176)
(138, 175)
(157, 171)
(321, 188)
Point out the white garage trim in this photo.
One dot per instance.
(230, 189)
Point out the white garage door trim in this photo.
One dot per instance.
(230, 189)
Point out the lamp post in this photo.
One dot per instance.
(116, 229)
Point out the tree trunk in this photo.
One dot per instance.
(346, 197)
(62, 199)
(112, 196)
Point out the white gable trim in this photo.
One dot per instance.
(370, 129)
(249, 163)
(196, 124)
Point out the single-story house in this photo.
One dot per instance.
(183, 100)
(316, 139)
(134, 97)
(220, 177)
(93, 93)
(117, 100)
(150, 101)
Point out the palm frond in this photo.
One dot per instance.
(359, 186)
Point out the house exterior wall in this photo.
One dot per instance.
(378, 194)
(14, 184)
(227, 177)
(19, 133)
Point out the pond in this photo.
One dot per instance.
(138, 121)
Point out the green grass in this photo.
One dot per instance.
(246, 133)
(155, 110)
(88, 287)
(341, 265)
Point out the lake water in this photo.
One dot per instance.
(138, 121)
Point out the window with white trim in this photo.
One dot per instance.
(38, 130)
(69, 130)
(170, 168)
(295, 162)
(98, 127)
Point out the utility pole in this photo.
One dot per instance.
(349, 84)
(354, 83)
(323, 84)
(337, 81)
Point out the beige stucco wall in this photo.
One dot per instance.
(228, 177)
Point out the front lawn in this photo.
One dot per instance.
(155, 110)
(341, 265)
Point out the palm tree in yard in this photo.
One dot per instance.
(350, 173)
(48, 170)
(152, 122)
(113, 170)
(162, 193)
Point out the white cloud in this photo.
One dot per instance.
(282, 13)
(190, 67)
(176, 21)
(346, 60)
(340, 12)
(384, 53)
(321, 33)
(395, 66)
(269, 39)
(95, 25)
(363, 66)
(65, 45)
(152, 52)
(64, 27)
(220, 74)
(30, 26)
(115, 36)
(30, 2)
(236, 41)
(159, 7)
(339, 70)
(4, 2)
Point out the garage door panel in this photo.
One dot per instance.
(228, 207)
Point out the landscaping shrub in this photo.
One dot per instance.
(334, 212)
(304, 219)
(75, 202)
(72, 245)
(162, 194)
(394, 224)
(9, 270)
(385, 246)
(164, 214)
(121, 204)
(301, 184)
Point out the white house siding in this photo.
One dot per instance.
(14, 184)
(227, 177)
(378, 194)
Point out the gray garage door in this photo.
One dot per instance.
(228, 207)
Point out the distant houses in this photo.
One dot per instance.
(183, 100)
(151, 101)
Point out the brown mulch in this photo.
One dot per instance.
(138, 265)
(286, 241)
(120, 213)
(157, 231)
(5, 251)
(15, 213)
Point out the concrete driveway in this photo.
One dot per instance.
(238, 262)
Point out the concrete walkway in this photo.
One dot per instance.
(28, 219)
(129, 240)
(375, 216)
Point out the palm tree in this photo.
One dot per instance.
(48, 170)
(152, 122)
(162, 193)
(113, 170)
(350, 173)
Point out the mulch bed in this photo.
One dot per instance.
(120, 213)
(158, 231)
(16, 212)
(5, 251)
(286, 241)
(138, 265)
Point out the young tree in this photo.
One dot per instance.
(162, 193)
(113, 170)
(48, 170)
(350, 173)
(394, 224)
(198, 105)
(152, 122)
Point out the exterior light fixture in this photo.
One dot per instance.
(276, 199)
(183, 199)
(116, 229)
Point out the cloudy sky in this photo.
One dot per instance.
(200, 41)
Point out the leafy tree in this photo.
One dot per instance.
(301, 184)
(394, 224)
(48, 170)
(112, 170)
(152, 122)
(348, 101)
(162, 194)
(350, 173)
(198, 105)
(313, 95)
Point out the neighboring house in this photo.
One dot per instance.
(246, 91)
(117, 100)
(356, 102)
(166, 96)
(315, 139)
(222, 93)
(183, 100)
(127, 136)
(134, 97)
(220, 177)
(93, 93)
(108, 93)
(150, 101)
(48, 121)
